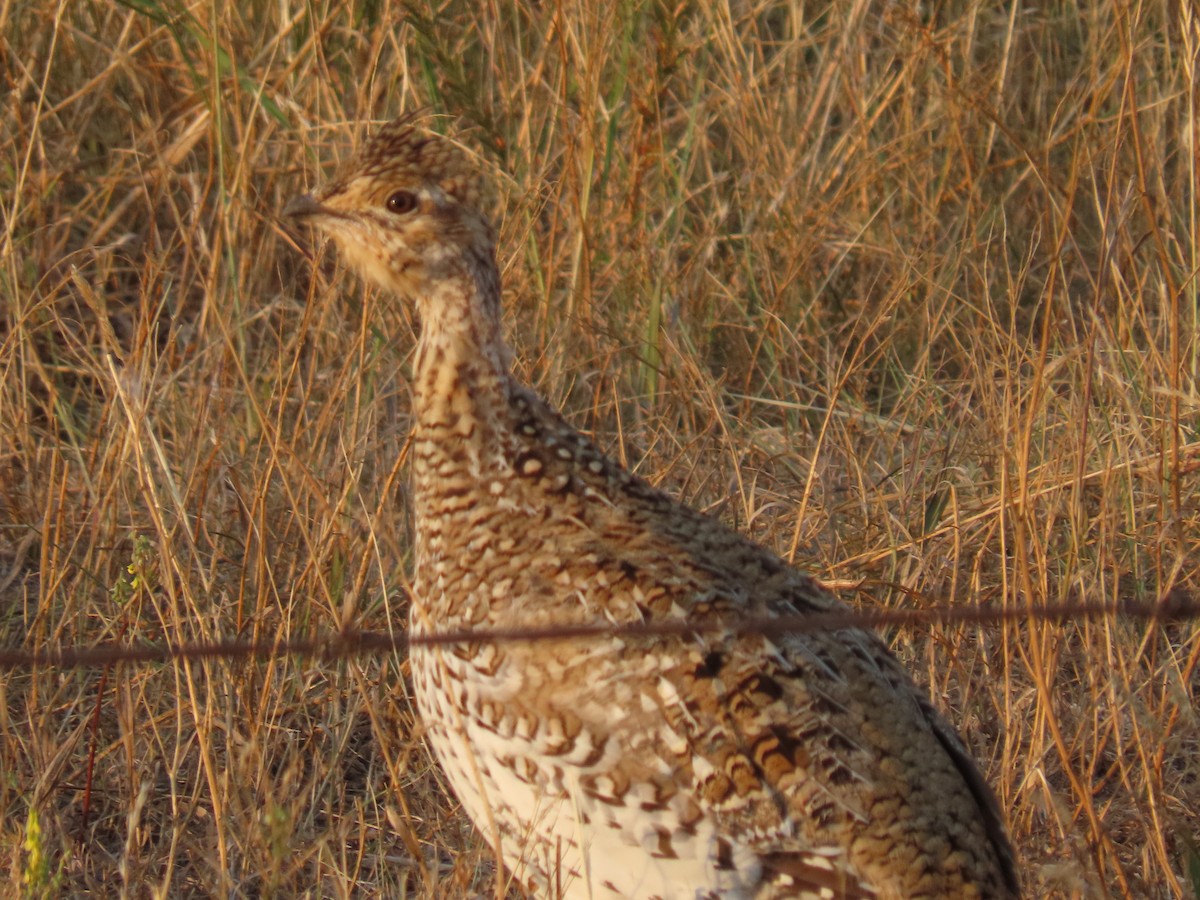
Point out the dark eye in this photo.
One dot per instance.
(402, 202)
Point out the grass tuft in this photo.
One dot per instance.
(909, 295)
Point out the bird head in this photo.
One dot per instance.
(404, 211)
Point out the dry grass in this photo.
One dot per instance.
(909, 296)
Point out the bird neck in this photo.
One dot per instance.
(462, 380)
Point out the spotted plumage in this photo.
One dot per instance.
(726, 765)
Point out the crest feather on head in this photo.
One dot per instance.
(402, 150)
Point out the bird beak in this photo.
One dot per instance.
(303, 207)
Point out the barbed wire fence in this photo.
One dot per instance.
(1175, 606)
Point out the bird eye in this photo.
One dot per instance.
(402, 202)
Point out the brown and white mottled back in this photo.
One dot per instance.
(731, 765)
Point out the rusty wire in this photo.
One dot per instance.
(1173, 607)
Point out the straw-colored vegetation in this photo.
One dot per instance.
(908, 292)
